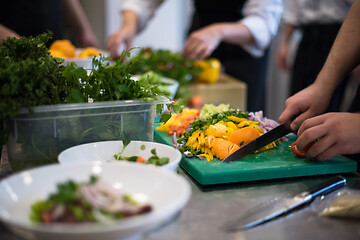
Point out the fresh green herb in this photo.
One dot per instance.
(174, 107)
(120, 156)
(154, 159)
(30, 76)
(167, 64)
(39, 207)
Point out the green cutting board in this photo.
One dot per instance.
(278, 162)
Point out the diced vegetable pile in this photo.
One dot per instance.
(223, 133)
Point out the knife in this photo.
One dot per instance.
(277, 207)
(274, 134)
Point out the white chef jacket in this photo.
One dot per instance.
(261, 17)
(305, 12)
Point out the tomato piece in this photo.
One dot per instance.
(299, 153)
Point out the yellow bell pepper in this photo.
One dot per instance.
(210, 70)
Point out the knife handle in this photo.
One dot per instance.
(325, 187)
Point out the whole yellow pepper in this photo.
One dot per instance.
(210, 70)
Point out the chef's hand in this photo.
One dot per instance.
(88, 39)
(307, 103)
(282, 56)
(202, 43)
(332, 134)
(124, 35)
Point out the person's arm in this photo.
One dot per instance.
(262, 18)
(253, 32)
(75, 14)
(343, 57)
(125, 34)
(345, 52)
(6, 32)
(283, 49)
(332, 133)
(135, 16)
(201, 43)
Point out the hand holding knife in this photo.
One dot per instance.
(274, 134)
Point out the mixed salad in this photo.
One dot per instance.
(154, 159)
(93, 201)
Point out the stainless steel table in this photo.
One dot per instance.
(211, 206)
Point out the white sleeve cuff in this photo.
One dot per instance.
(261, 34)
(145, 10)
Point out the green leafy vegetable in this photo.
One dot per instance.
(30, 76)
(154, 159)
(167, 64)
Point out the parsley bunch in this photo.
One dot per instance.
(29, 76)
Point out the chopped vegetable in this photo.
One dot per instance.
(244, 135)
(220, 135)
(178, 123)
(299, 153)
(154, 159)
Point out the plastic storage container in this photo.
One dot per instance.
(37, 139)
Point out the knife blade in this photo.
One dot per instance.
(277, 207)
(274, 134)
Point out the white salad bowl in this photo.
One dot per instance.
(104, 152)
(83, 62)
(166, 192)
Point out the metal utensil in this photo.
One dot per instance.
(263, 140)
(276, 207)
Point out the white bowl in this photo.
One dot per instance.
(166, 191)
(105, 151)
(83, 62)
(171, 84)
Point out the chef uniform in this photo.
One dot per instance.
(247, 62)
(319, 22)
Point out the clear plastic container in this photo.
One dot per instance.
(37, 138)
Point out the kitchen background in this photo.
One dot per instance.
(168, 30)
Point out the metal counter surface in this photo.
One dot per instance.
(211, 206)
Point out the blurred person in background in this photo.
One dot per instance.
(332, 133)
(319, 22)
(237, 32)
(31, 18)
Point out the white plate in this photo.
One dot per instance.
(166, 191)
(105, 151)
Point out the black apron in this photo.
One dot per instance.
(314, 47)
(236, 61)
(33, 17)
